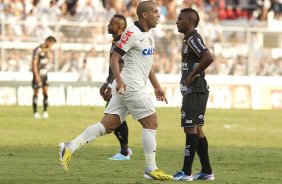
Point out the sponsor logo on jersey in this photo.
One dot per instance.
(124, 39)
(44, 61)
(149, 51)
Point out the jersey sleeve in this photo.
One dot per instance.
(197, 45)
(126, 42)
(36, 53)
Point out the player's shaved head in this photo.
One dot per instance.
(144, 6)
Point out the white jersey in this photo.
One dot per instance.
(139, 47)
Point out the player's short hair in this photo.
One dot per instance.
(122, 18)
(193, 14)
(143, 6)
(51, 39)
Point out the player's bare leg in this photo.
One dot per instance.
(108, 124)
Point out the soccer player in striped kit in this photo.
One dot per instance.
(40, 75)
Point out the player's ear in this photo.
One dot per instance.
(145, 15)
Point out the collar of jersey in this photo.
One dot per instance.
(117, 38)
(136, 23)
(190, 34)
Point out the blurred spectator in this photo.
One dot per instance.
(84, 72)
(277, 7)
(81, 24)
(131, 9)
(264, 9)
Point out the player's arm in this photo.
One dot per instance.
(114, 63)
(105, 90)
(35, 67)
(126, 42)
(205, 61)
(108, 81)
(205, 57)
(159, 92)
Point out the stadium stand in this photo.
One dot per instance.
(243, 34)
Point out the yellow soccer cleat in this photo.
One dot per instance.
(157, 175)
(64, 155)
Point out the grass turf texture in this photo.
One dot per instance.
(244, 147)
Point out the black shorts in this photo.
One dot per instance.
(193, 109)
(44, 80)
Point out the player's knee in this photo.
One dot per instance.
(109, 130)
(110, 126)
(153, 125)
(200, 132)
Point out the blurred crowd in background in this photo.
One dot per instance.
(99, 10)
(85, 22)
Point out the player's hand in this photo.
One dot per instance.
(189, 80)
(159, 92)
(39, 83)
(108, 94)
(121, 87)
(103, 89)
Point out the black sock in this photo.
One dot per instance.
(189, 154)
(34, 103)
(45, 102)
(122, 135)
(204, 155)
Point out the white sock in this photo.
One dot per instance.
(88, 135)
(149, 145)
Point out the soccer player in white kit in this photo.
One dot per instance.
(129, 95)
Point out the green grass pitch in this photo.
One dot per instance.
(245, 146)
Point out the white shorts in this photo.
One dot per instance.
(138, 104)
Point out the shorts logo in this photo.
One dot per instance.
(188, 121)
(124, 39)
(150, 51)
(201, 117)
(182, 114)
